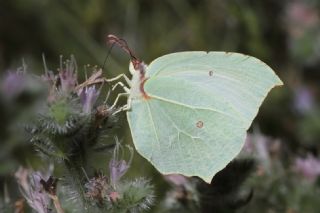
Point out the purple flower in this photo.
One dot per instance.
(303, 99)
(308, 167)
(68, 76)
(259, 144)
(88, 97)
(49, 77)
(301, 17)
(13, 83)
(266, 150)
(96, 188)
(118, 167)
(303, 14)
(32, 189)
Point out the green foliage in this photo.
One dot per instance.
(66, 129)
(133, 196)
(309, 128)
(60, 111)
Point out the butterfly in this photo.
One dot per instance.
(188, 112)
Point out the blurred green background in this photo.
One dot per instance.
(285, 34)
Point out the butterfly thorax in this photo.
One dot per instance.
(137, 82)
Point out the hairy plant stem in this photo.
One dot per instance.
(74, 166)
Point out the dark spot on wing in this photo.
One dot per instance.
(199, 124)
(210, 73)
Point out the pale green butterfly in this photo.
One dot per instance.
(189, 111)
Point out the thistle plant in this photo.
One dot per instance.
(66, 128)
(117, 195)
(32, 189)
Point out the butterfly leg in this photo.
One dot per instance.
(107, 97)
(128, 105)
(126, 89)
(124, 108)
(117, 99)
(118, 77)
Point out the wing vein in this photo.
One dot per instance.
(174, 124)
(188, 106)
(153, 125)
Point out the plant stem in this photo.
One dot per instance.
(57, 203)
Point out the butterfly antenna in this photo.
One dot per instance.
(112, 39)
(107, 56)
